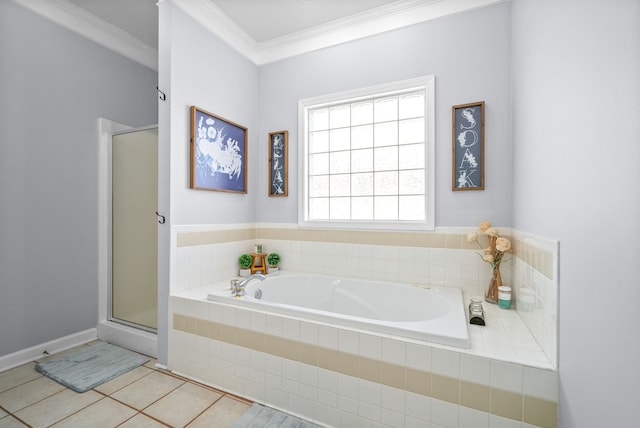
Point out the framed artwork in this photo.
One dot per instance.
(218, 153)
(468, 146)
(278, 163)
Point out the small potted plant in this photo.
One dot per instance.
(245, 261)
(273, 260)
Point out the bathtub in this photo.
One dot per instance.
(432, 314)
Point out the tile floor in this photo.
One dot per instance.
(143, 397)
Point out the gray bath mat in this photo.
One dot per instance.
(259, 416)
(90, 366)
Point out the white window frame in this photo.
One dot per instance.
(426, 83)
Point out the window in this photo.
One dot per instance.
(367, 157)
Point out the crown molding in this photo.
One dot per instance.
(217, 22)
(78, 20)
(375, 21)
(393, 16)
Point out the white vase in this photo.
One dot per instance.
(245, 272)
(272, 269)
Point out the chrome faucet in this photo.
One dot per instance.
(238, 291)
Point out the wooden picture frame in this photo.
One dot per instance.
(468, 146)
(218, 153)
(278, 163)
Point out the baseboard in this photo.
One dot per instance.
(128, 337)
(33, 353)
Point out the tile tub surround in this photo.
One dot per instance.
(206, 254)
(505, 379)
(535, 282)
(343, 377)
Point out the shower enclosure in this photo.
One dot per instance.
(128, 236)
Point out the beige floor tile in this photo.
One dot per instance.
(57, 407)
(151, 363)
(141, 421)
(182, 405)
(123, 380)
(221, 415)
(29, 393)
(38, 401)
(17, 376)
(147, 390)
(105, 413)
(11, 422)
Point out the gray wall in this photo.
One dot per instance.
(576, 83)
(54, 85)
(468, 53)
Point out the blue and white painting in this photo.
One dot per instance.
(468, 147)
(278, 156)
(219, 158)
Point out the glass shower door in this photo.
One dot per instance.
(134, 291)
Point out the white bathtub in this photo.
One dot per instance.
(430, 314)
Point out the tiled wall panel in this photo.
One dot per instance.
(440, 259)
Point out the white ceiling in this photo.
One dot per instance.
(262, 30)
(268, 20)
(262, 20)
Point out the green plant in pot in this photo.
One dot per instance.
(245, 261)
(273, 260)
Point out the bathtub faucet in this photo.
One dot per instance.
(239, 290)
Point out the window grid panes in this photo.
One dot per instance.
(367, 159)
